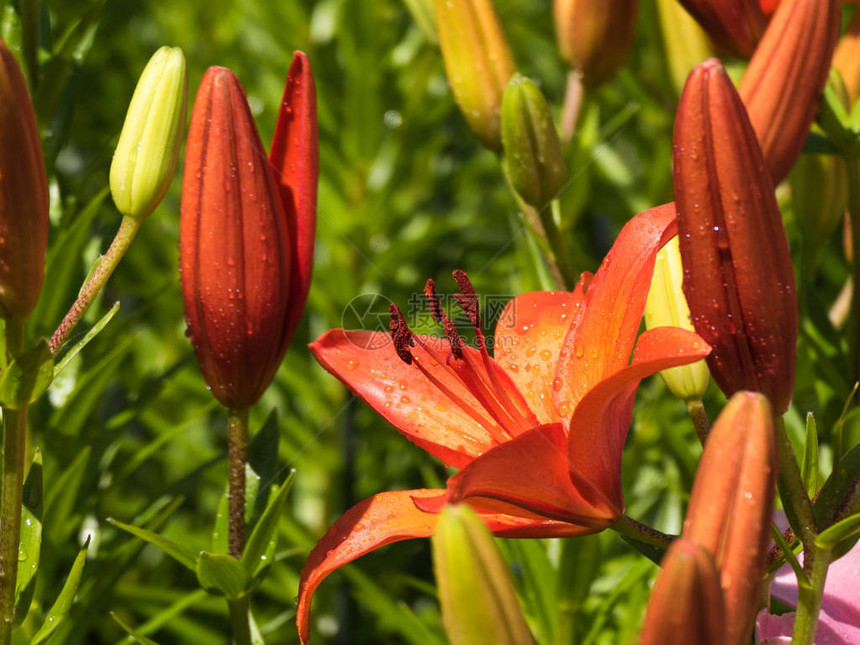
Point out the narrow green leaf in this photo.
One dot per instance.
(534, 578)
(92, 333)
(185, 556)
(221, 528)
(64, 601)
(261, 546)
(263, 460)
(809, 464)
(30, 547)
(840, 531)
(60, 498)
(27, 377)
(838, 487)
(139, 638)
(579, 567)
(223, 575)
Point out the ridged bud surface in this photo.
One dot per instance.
(738, 277)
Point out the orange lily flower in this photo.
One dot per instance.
(537, 432)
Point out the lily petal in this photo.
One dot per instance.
(370, 524)
(295, 159)
(449, 424)
(528, 336)
(531, 472)
(598, 428)
(391, 517)
(601, 344)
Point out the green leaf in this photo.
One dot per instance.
(185, 556)
(30, 546)
(842, 530)
(64, 601)
(92, 333)
(534, 578)
(221, 529)
(61, 496)
(579, 567)
(223, 575)
(27, 377)
(139, 638)
(809, 465)
(261, 546)
(263, 459)
(838, 487)
(818, 144)
(788, 556)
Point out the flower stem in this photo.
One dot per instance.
(572, 105)
(793, 493)
(697, 412)
(239, 611)
(96, 281)
(853, 165)
(14, 449)
(630, 528)
(237, 452)
(556, 243)
(809, 599)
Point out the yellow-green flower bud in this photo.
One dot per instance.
(478, 62)
(532, 150)
(686, 44)
(667, 307)
(145, 157)
(819, 195)
(479, 604)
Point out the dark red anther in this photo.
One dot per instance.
(433, 301)
(468, 299)
(401, 334)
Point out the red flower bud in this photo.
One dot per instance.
(783, 83)
(238, 250)
(735, 25)
(687, 603)
(595, 35)
(738, 277)
(23, 196)
(731, 505)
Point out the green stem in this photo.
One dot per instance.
(793, 493)
(809, 599)
(556, 243)
(237, 453)
(700, 419)
(239, 612)
(628, 527)
(853, 165)
(96, 281)
(14, 449)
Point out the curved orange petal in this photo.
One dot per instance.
(598, 428)
(531, 472)
(370, 524)
(449, 425)
(601, 344)
(529, 334)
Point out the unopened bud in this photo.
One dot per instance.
(478, 62)
(685, 42)
(687, 603)
(23, 196)
(479, 604)
(667, 307)
(594, 36)
(145, 157)
(731, 505)
(532, 151)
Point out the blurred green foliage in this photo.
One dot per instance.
(128, 429)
